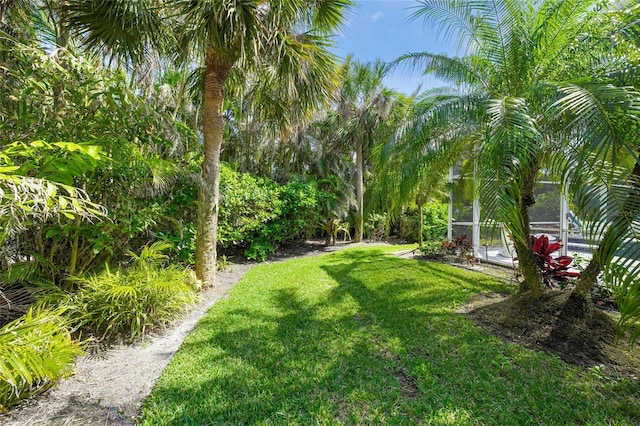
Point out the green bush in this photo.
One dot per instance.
(435, 218)
(246, 204)
(127, 302)
(434, 226)
(259, 250)
(431, 249)
(300, 210)
(123, 150)
(36, 350)
(258, 214)
(374, 227)
(409, 227)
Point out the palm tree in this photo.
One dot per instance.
(273, 142)
(329, 163)
(414, 162)
(363, 104)
(528, 101)
(285, 36)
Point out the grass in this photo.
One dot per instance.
(363, 337)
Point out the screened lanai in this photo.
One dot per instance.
(550, 215)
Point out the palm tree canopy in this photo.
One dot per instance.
(520, 78)
(538, 88)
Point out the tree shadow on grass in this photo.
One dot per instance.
(382, 344)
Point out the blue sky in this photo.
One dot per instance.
(381, 29)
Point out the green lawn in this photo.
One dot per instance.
(363, 337)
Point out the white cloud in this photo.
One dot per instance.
(376, 16)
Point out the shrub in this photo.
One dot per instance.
(435, 218)
(36, 350)
(409, 227)
(258, 214)
(259, 250)
(374, 227)
(460, 245)
(126, 302)
(431, 249)
(434, 226)
(247, 203)
(554, 270)
(134, 156)
(300, 210)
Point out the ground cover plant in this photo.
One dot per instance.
(362, 336)
(126, 302)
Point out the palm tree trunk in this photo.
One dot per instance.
(387, 225)
(330, 225)
(359, 194)
(601, 258)
(527, 260)
(62, 36)
(209, 192)
(420, 222)
(4, 5)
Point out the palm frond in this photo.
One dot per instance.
(611, 208)
(24, 199)
(436, 130)
(453, 18)
(36, 350)
(554, 28)
(587, 108)
(123, 28)
(454, 70)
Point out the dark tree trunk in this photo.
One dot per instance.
(420, 220)
(331, 233)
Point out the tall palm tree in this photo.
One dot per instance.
(285, 36)
(528, 100)
(364, 103)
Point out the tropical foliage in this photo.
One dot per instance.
(35, 351)
(127, 302)
(527, 100)
(285, 42)
(101, 148)
(554, 269)
(141, 138)
(259, 214)
(363, 107)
